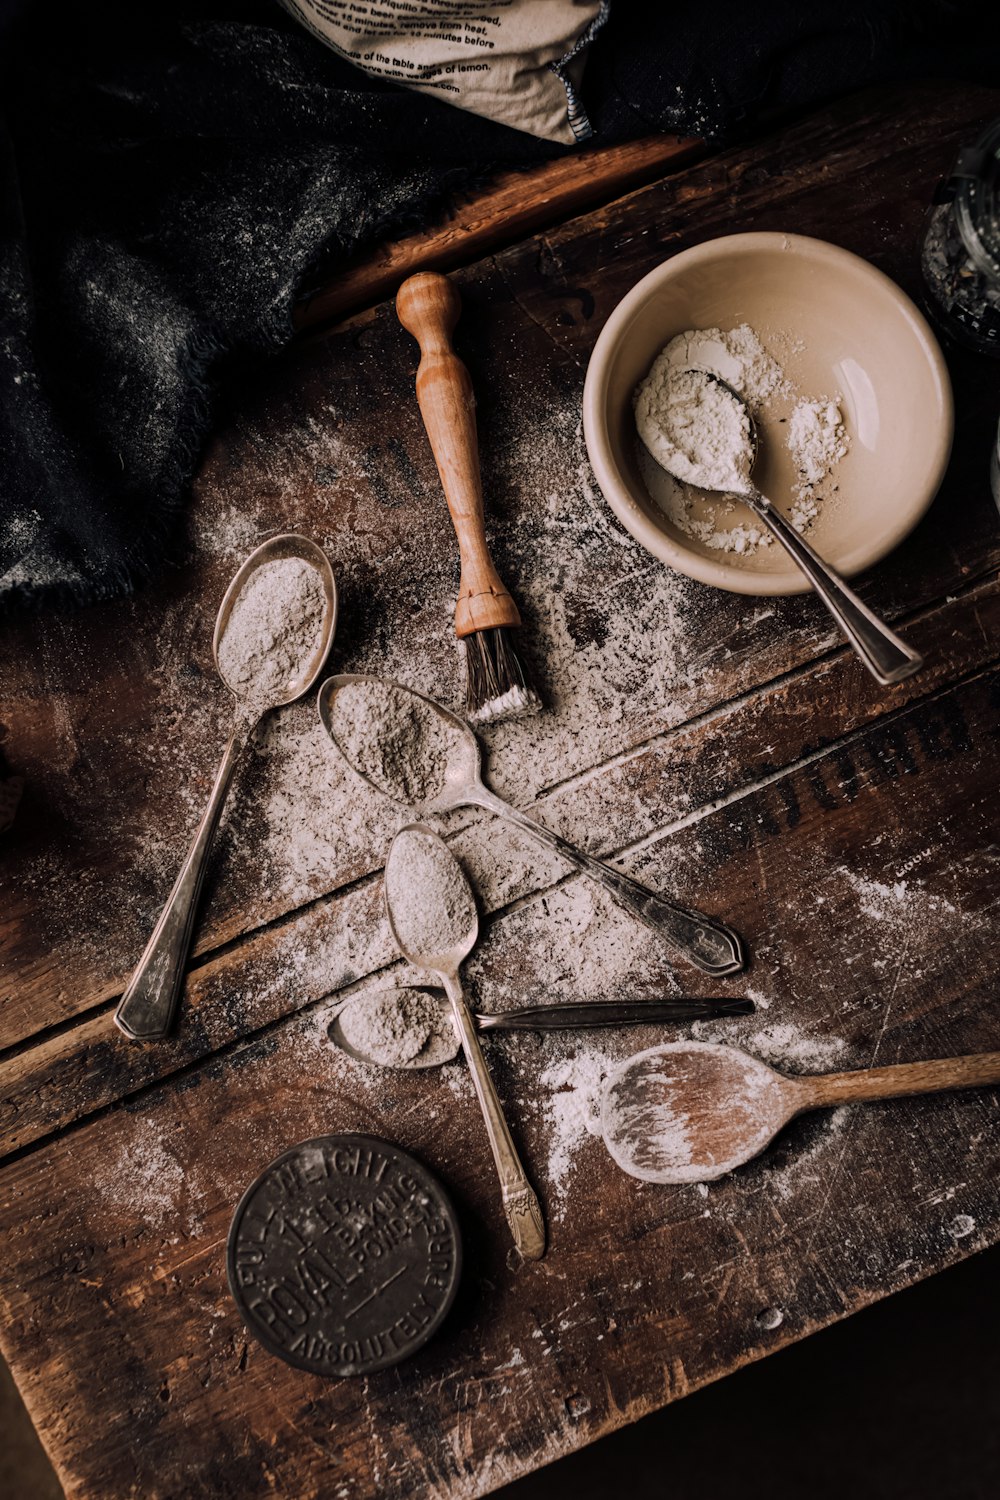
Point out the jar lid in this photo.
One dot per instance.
(975, 183)
(344, 1255)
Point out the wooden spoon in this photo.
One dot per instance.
(692, 1111)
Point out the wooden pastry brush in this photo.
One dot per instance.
(428, 306)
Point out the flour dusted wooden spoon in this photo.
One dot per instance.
(692, 1111)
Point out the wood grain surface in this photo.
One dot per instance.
(515, 205)
(728, 751)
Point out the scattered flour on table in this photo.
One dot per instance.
(274, 631)
(145, 1177)
(572, 1107)
(698, 433)
(902, 902)
(430, 902)
(395, 739)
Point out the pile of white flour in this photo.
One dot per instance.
(693, 429)
(430, 902)
(273, 632)
(396, 740)
(393, 1026)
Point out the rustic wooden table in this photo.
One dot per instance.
(730, 751)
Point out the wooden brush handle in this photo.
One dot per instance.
(428, 306)
(903, 1078)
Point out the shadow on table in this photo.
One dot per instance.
(901, 1402)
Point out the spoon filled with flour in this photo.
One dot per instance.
(700, 428)
(272, 636)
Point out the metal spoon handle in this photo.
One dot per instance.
(577, 1015)
(146, 1010)
(888, 658)
(710, 945)
(520, 1202)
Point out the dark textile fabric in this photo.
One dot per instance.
(172, 173)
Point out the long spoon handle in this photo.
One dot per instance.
(520, 1201)
(146, 1010)
(577, 1015)
(888, 658)
(710, 945)
(902, 1078)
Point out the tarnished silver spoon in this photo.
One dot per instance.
(453, 780)
(888, 658)
(146, 1010)
(433, 917)
(426, 1023)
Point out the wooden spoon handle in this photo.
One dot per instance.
(903, 1078)
(428, 306)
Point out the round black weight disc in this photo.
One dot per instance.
(344, 1255)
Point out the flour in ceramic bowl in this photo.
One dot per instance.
(274, 631)
(695, 428)
(693, 434)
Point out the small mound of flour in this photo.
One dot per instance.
(273, 632)
(817, 439)
(396, 740)
(430, 902)
(395, 1026)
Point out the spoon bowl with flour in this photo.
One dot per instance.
(433, 918)
(417, 752)
(272, 636)
(410, 1026)
(703, 433)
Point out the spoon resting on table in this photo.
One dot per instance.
(409, 1026)
(693, 1111)
(146, 1010)
(727, 472)
(412, 749)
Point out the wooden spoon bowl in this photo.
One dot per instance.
(692, 1111)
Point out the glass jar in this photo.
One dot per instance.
(961, 253)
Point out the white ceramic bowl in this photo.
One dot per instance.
(839, 329)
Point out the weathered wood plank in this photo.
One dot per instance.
(729, 750)
(117, 719)
(337, 943)
(515, 205)
(877, 943)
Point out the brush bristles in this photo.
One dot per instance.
(499, 687)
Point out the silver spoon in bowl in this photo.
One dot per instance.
(146, 1009)
(709, 944)
(435, 1041)
(420, 868)
(888, 658)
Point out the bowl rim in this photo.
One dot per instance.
(616, 492)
